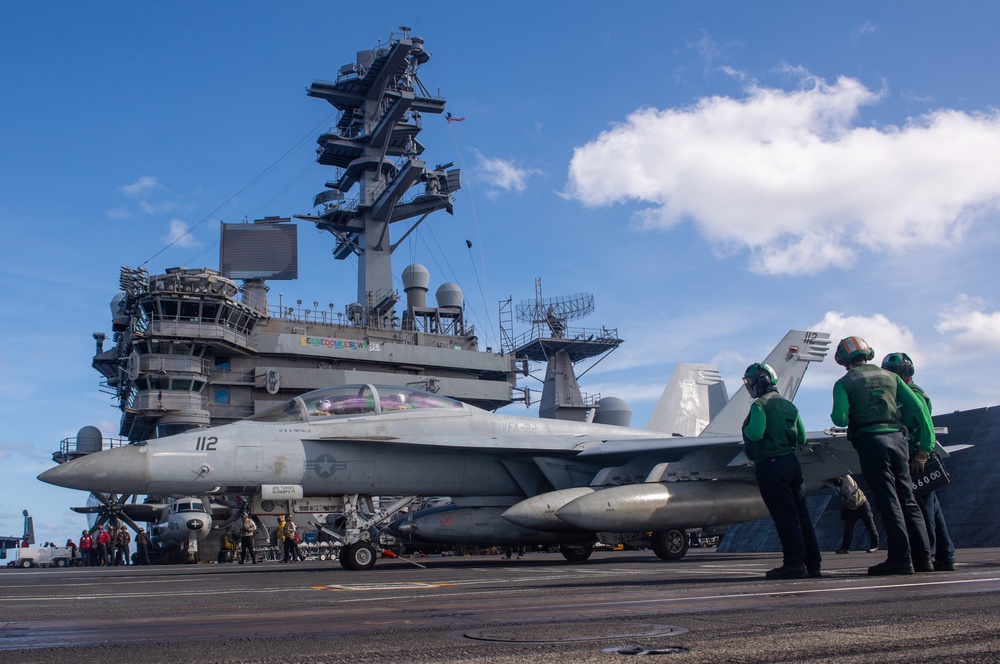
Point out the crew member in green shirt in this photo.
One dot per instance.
(937, 529)
(772, 432)
(872, 402)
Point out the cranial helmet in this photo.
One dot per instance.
(759, 379)
(852, 348)
(899, 364)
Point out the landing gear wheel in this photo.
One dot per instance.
(670, 544)
(576, 553)
(357, 556)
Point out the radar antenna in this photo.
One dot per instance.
(552, 341)
(554, 312)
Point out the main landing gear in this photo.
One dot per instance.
(358, 556)
(576, 553)
(359, 531)
(670, 544)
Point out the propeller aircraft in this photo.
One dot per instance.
(176, 524)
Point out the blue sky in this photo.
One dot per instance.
(714, 173)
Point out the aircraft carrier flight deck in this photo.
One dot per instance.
(708, 607)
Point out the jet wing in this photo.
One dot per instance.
(646, 445)
(824, 455)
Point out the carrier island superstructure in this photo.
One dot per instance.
(193, 347)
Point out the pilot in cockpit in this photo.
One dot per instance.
(395, 402)
(324, 408)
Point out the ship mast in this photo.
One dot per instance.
(374, 146)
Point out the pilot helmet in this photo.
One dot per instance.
(759, 379)
(325, 405)
(899, 364)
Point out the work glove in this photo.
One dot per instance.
(917, 463)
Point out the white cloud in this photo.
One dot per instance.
(973, 329)
(866, 28)
(9, 451)
(179, 236)
(732, 72)
(143, 191)
(502, 175)
(158, 208)
(143, 185)
(883, 336)
(120, 212)
(787, 176)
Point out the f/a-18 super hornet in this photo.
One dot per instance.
(518, 480)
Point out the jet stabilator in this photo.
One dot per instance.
(513, 480)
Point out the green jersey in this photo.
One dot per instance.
(772, 428)
(911, 423)
(869, 399)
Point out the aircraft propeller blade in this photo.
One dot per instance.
(92, 509)
(113, 509)
(236, 516)
(131, 524)
(101, 520)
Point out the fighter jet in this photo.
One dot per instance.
(514, 480)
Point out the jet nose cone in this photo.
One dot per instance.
(120, 470)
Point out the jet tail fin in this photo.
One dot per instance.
(789, 359)
(693, 396)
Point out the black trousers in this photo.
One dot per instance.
(851, 518)
(937, 530)
(780, 484)
(247, 549)
(885, 462)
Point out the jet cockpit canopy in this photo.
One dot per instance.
(353, 400)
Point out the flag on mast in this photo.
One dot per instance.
(451, 118)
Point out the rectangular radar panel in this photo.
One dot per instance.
(265, 249)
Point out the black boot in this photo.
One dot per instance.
(792, 571)
(889, 568)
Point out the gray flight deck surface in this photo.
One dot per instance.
(708, 607)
